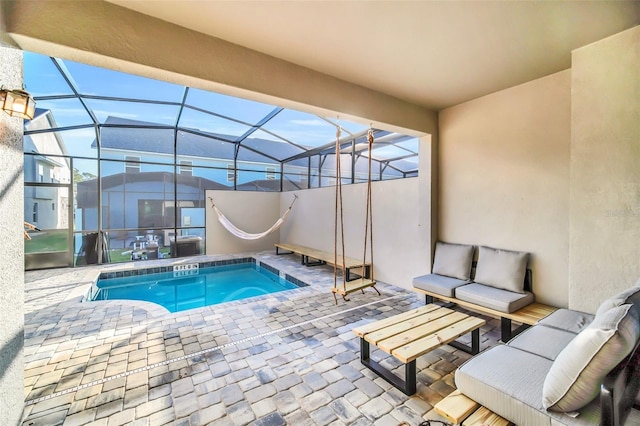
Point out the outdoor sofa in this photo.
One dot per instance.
(498, 284)
(572, 368)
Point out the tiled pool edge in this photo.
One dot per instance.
(87, 294)
(206, 264)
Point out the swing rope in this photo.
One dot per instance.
(369, 210)
(338, 206)
(368, 232)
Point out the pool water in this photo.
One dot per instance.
(179, 291)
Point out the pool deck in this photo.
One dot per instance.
(285, 358)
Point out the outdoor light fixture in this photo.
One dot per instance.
(17, 103)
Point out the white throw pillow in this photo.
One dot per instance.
(630, 295)
(577, 373)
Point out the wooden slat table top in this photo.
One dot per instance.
(412, 334)
(349, 262)
(371, 327)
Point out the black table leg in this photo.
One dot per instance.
(474, 349)
(407, 386)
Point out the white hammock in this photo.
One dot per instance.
(224, 221)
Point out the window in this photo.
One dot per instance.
(271, 173)
(40, 173)
(35, 213)
(53, 206)
(231, 173)
(186, 168)
(132, 164)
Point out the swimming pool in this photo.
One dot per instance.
(191, 286)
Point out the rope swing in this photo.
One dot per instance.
(360, 283)
(234, 230)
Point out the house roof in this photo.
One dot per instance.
(136, 135)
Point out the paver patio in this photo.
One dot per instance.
(286, 358)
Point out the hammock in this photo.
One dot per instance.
(229, 226)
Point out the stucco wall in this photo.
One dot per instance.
(504, 177)
(400, 233)
(252, 212)
(12, 277)
(111, 36)
(605, 169)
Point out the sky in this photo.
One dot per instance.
(43, 78)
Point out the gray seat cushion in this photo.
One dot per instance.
(568, 320)
(509, 382)
(544, 341)
(494, 298)
(439, 284)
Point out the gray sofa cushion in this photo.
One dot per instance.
(453, 260)
(439, 284)
(493, 298)
(568, 320)
(544, 341)
(575, 377)
(509, 382)
(503, 269)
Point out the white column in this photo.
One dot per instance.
(12, 254)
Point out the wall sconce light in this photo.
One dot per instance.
(17, 103)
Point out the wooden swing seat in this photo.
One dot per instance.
(355, 285)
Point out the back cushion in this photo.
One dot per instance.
(503, 269)
(575, 377)
(453, 260)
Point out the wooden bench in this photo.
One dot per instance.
(527, 316)
(326, 258)
(412, 334)
(460, 409)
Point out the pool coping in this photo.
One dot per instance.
(85, 293)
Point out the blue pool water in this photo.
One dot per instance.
(179, 291)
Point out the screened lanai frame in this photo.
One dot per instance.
(258, 144)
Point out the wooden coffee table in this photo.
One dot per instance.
(412, 334)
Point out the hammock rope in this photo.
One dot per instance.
(234, 230)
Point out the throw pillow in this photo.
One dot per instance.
(575, 376)
(503, 269)
(630, 295)
(453, 260)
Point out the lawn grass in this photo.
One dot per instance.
(48, 241)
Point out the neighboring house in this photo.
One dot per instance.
(46, 206)
(138, 186)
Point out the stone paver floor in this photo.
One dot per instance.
(283, 359)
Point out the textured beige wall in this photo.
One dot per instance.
(12, 261)
(504, 177)
(253, 212)
(605, 169)
(400, 240)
